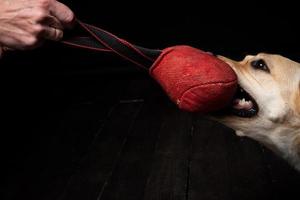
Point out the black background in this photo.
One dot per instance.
(232, 29)
(32, 80)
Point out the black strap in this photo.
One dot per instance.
(101, 40)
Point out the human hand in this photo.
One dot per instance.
(25, 24)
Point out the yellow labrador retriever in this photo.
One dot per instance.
(267, 104)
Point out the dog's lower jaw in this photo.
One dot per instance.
(285, 142)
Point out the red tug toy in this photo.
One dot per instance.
(195, 80)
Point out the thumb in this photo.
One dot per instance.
(63, 13)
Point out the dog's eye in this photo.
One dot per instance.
(261, 65)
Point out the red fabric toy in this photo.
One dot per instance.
(195, 80)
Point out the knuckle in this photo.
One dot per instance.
(37, 29)
(40, 14)
(44, 3)
(31, 42)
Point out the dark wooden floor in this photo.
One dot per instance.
(113, 138)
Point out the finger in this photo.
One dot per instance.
(51, 33)
(52, 22)
(64, 14)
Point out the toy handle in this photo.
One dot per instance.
(98, 39)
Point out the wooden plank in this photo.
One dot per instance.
(169, 171)
(133, 94)
(59, 140)
(209, 177)
(97, 166)
(78, 131)
(285, 180)
(247, 169)
(225, 166)
(129, 178)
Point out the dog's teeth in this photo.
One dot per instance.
(243, 104)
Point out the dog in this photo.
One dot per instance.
(266, 106)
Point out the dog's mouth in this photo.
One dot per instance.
(243, 104)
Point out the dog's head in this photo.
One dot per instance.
(267, 104)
